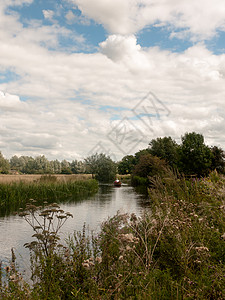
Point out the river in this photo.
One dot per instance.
(15, 232)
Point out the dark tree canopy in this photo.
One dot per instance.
(126, 165)
(149, 165)
(165, 148)
(218, 159)
(195, 156)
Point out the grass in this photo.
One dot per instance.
(16, 194)
(176, 251)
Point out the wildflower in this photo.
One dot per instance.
(88, 263)
(85, 265)
(223, 236)
(98, 259)
(129, 238)
(202, 249)
(121, 257)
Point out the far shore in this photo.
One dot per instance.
(7, 178)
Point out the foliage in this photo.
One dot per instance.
(102, 167)
(126, 165)
(41, 165)
(218, 159)
(195, 156)
(149, 166)
(165, 148)
(4, 165)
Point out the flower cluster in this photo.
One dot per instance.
(88, 263)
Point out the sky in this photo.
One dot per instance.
(81, 76)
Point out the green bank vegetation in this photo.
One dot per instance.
(15, 195)
(175, 252)
(192, 157)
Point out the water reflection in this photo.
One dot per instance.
(15, 232)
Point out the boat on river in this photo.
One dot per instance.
(117, 182)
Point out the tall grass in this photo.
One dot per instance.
(15, 195)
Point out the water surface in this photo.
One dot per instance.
(15, 232)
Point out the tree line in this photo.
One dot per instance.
(191, 157)
(39, 165)
(101, 166)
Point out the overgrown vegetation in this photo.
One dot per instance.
(15, 195)
(177, 251)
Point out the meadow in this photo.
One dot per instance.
(175, 251)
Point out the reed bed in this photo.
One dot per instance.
(16, 194)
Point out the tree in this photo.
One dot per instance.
(126, 165)
(102, 167)
(29, 164)
(42, 165)
(149, 165)
(195, 156)
(165, 148)
(4, 164)
(218, 159)
(65, 167)
(16, 163)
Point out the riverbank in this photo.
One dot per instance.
(176, 252)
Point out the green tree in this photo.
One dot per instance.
(42, 165)
(4, 164)
(165, 148)
(29, 164)
(65, 167)
(56, 166)
(16, 163)
(102, 167)
(126, 165)
(218, 159)
(149, 165)
(195, 156)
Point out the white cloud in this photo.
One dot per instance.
(65, 114)
(199, 19)
(8, 101)
(48, 14)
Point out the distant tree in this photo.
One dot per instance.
(218, 159)
(29, 164)
(195, 156)
(56, 166)
(91, 163)
(126, 165)
(102, 167)
(149, 165)
(16, 163)
(74, 167)
(165, 148)
(65, 167)
(42, 165)
(4, 164)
